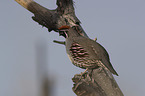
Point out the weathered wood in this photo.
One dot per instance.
(53, 19)
(101, 82)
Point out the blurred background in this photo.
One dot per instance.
(29, 59)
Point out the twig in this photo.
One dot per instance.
(59, 42)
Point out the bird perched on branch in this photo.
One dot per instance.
(84, 52)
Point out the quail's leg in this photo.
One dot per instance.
(82, 73)
(90, 75)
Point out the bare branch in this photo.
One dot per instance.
(53, 19)
(24, 3)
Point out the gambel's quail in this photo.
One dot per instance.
(84, 52)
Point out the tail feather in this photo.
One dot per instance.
(109, 66)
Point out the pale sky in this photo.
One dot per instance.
(119, 26)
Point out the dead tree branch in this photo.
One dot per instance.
(101, 83)
(53, 19)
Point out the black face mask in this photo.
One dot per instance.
(63, 33)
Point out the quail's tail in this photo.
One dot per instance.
(112, 70)
(110, 67)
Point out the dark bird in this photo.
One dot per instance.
(84, 52)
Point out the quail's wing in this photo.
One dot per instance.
(103, 56)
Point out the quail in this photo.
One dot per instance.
(84, 52)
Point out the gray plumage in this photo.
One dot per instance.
(84, 52)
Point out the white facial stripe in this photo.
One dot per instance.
(66, 34)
